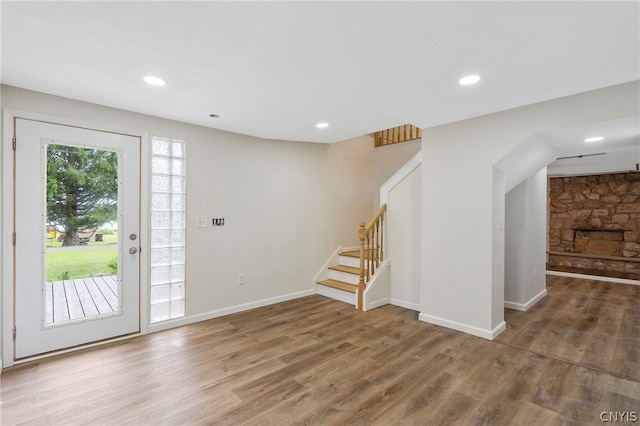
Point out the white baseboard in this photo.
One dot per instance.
(524, 307)
(469, 329)
(377, 303)
(405, 304)
(227, 311)
(594, 277)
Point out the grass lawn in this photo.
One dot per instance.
(81, 262)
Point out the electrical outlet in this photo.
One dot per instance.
(201, 222)
(241, 279)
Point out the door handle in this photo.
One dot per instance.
(133, 250)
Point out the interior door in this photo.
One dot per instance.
(76, 224)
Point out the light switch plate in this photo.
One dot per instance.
(201, 222)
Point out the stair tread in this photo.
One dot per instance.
(347, 269)
(354, 253)
(340, 285)
(351, 253)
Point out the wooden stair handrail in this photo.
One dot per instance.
(371, 237)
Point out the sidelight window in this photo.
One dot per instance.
(168, 223)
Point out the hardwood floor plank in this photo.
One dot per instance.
(256, 353)
(257, 387)
(534, 415)
(531, 367)
(413, 406)
(626, 355)
(580, 321)
(502, 404)
(343, 402)
(283, 391)
(287, 412)
(335, 374)
(609, 319)
(452, 408)
(553, 385)
(406, 384)
(586, 397)
(320, 362)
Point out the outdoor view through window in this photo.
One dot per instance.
(81, 233)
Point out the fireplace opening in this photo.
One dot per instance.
(598, 242)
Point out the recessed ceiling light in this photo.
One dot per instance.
(322, 125)
(154, 81)
(470, 79)
(594, 139)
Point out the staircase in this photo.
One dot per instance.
(356, 269)
(343, 278)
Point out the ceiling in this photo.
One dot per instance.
(619, 150)
(275, 69)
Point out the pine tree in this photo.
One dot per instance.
(82, 190)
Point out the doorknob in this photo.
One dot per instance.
(133, 250)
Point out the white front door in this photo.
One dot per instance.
(76, 221)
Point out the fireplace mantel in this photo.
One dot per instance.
(594, 256)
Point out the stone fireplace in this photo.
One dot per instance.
(598, 242)
(594, 222)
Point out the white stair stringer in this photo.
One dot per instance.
(378, 291)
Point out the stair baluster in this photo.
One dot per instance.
(370, 256)
(371, 249)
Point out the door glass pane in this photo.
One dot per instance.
(81, 234)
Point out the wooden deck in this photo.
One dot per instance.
(80, 298)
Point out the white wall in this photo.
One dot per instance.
(403, 240)
(496, 299)
(515, 242)
(388, 159)
(287, 205)
(458, 281)
(348, 177)
(525, 242)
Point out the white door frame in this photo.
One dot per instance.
(6, 247)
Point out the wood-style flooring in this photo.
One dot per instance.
(316, 361)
